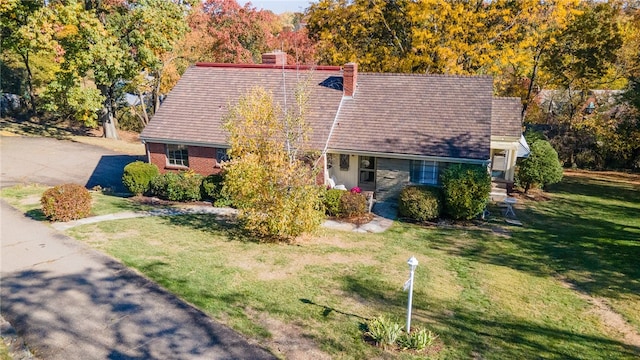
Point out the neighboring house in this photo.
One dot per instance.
(558, 101)
(379, 132)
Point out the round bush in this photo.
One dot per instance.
(182, 186)
(331, 201)
(353, 204)
(66, 202)
(466, 190)
(542, 167)
(420, 203)
(138, 175)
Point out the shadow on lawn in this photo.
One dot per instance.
(212, 224)
(476, 333)
(594, 242)
(327, 310)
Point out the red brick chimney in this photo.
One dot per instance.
(275, 58)
(349, 78)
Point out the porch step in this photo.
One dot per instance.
(498, 191)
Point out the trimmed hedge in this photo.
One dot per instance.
(331, 202)
(212, 186)
(420, 203)
(353, 204)
(466, 190)
(182, 186)
(138, 175)
(66, 202)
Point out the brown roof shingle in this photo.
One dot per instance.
(428, 115)
(194, 110)
(505, 117)
(421, 115)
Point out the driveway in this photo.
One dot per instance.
(51, 162)
(68, 301)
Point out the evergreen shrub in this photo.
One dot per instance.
(331, 201)
(420, 203)
(138, 175)
(353, 204)
(466, 190)
(181, 186)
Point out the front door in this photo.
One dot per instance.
(367, 173)
(499, 165)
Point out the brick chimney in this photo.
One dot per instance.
(349, 78)
(275, 58)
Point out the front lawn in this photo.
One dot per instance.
(490, 292)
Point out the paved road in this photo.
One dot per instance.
(70, 302)
(52, 162)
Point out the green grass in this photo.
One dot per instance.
(26, 198)
(488, 294)
(485, 294)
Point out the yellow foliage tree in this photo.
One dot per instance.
(272, 187)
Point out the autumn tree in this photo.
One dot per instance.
(14, 17)
(223, 31)
(267, 179)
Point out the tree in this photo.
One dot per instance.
(15, 15)
(586, 50)
(272, 186)
(223, 31)
(542, 167)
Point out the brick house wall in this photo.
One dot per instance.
(202, 159)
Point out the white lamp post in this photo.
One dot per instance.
(413, 264)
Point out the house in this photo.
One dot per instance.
(379, 132)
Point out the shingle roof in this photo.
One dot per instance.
(194, 110)
(505, 117)
(430, 115)
(422, 115)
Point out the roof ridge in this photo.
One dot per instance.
(268, 66)
(428, 75)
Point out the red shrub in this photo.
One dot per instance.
(66, 202)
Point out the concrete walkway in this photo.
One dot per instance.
(376, 225)
(68, 301)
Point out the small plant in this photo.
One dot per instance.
(355, 190)
(182, 186)
(138, 175)
(420, 203)
(418, 340)
(353, 204)
(383, 331)
(331, 201)
(66, 202)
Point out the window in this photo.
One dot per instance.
(367, 173)
(344, 162)
(424, 172)
(221, 155)
(177, 155)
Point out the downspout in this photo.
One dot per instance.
(326, 145)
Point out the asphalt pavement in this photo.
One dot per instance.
(68, 301)
(50, 161)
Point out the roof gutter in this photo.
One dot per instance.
(182, 142)
(411, 156)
